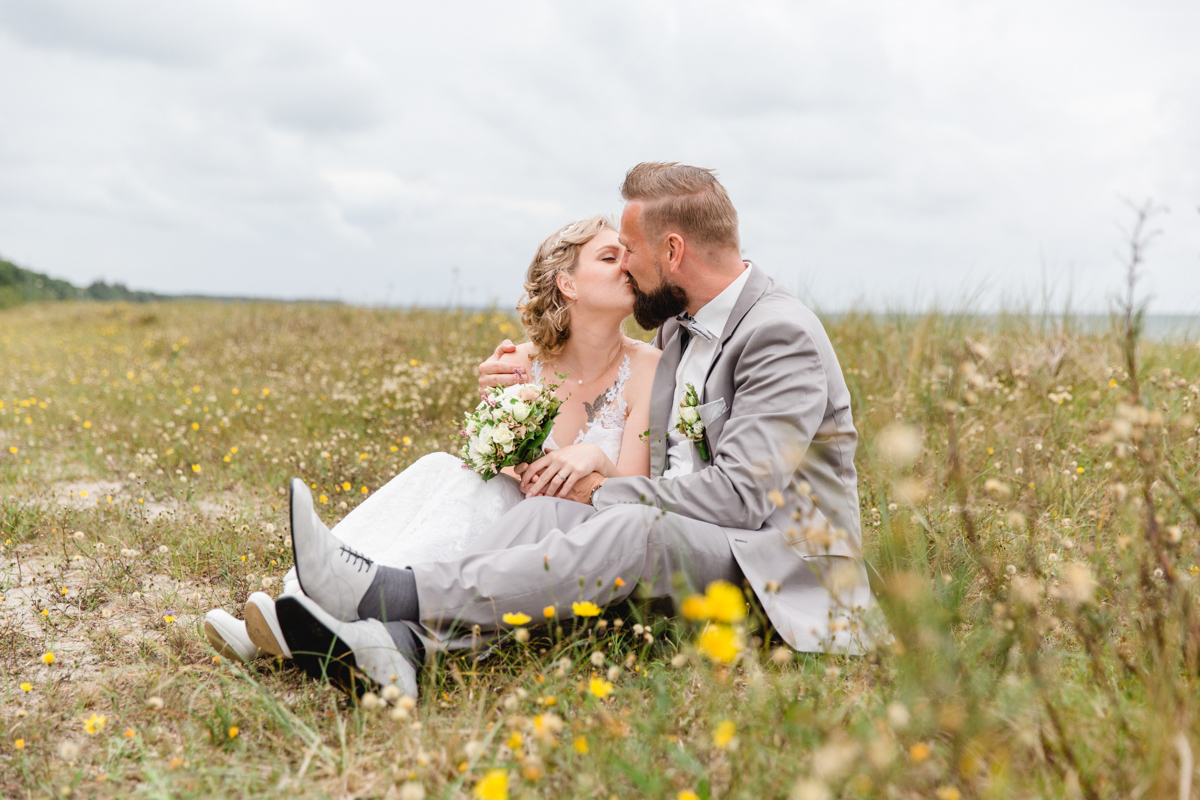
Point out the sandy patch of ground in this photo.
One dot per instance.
(84, 494)
(52, 607)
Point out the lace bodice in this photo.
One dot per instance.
(607, 426)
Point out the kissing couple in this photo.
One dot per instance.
(723, 451)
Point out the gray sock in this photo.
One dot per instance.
(407, 643)
(391, 596)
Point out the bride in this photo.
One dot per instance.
(576, 298)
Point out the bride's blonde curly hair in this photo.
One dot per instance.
(545, 311)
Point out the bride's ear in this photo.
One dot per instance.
(566, 285)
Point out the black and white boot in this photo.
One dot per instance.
(332, 574)
(353, 656)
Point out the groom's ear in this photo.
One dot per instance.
(675, 248)
(566, 285)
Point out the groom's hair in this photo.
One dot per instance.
(688, 199)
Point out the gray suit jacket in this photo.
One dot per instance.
(781, 477)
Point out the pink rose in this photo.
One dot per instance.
(529, 392)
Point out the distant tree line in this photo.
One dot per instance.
(19, 285)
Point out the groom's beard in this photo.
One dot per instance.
(653, 308)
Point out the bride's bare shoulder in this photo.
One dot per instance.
(645, 352)
(644, 358)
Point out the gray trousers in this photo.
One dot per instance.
(550, 552)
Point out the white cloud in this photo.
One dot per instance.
(877, 152)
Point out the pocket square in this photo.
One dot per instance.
(713, 411)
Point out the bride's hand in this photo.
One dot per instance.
(555, 473)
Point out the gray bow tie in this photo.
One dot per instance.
(694, 328)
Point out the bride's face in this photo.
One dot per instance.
(599, 282)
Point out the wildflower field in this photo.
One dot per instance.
(1029, 498)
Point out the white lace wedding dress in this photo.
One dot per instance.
(434, 509)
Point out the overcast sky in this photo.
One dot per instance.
(880, 154)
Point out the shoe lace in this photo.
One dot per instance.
(355, 558)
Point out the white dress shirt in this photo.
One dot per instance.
(693, 368)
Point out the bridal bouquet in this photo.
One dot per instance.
(508, 427)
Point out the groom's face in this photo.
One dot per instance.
(655, 297)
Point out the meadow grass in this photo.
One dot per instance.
(1029, 500)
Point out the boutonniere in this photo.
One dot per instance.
(689, 420)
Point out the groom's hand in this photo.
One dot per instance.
(495, 372)
(581, 492)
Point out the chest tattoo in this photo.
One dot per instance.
(593, 408)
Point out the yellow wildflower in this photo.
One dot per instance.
(168, 617)
(94, 723)
(130, 733)
(323, 499)
(233, 732)
(195, 467)
(346, 486)
(919, 752)
(585, 609)
(19, 744)
(725, 602)
(515, 619)
(724, 733)
(618, 583)
(13, 450)
(26, 686)
(720, 642)
(494, 786)
(581, 745)
(514, 741)
(548, 612)
(695, 608)
(364, 490)
(947, 793)
(687, 794)
(48, 658)
(600, 688)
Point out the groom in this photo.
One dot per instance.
(774, 503)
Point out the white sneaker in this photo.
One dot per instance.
(262, 625)
(344, 653)
(329, 572)
(227, 635)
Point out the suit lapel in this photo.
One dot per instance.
(756, 286)
(662, 395)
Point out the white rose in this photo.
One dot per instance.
(472, 427)
(697, 430)
(503, 437)
(689, 415)
(485, 435)
(519, 411)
